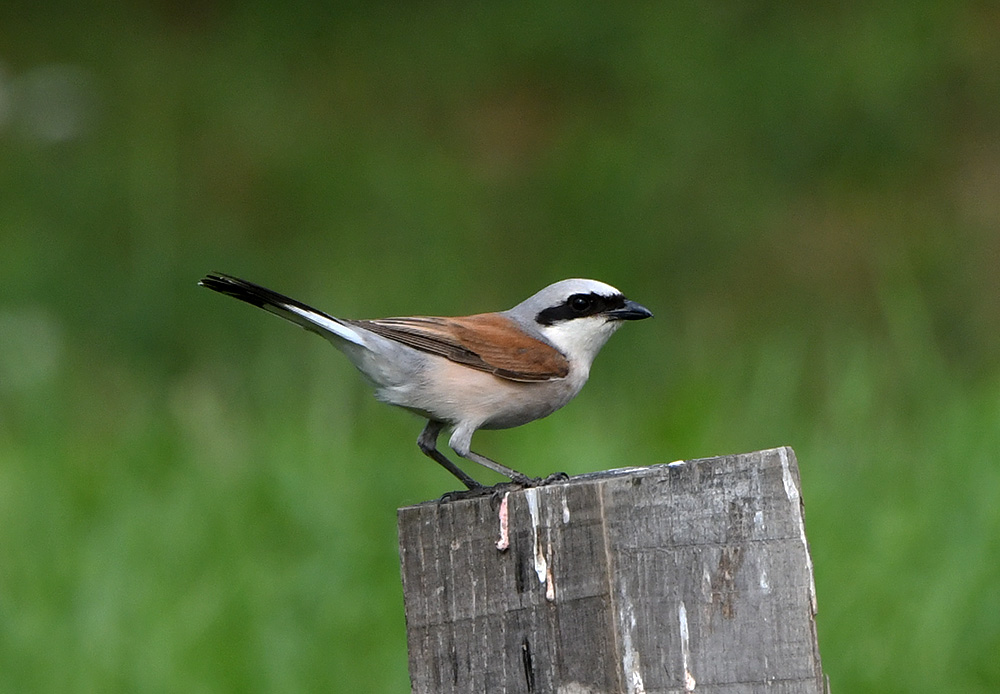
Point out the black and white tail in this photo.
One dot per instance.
(280, 305)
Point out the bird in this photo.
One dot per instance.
(484, 371)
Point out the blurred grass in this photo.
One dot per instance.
(195, 497)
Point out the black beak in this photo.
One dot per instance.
(630, 311)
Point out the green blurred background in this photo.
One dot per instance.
(196, 497)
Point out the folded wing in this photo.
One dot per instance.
(488, 342)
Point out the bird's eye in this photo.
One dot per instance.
(581, 303)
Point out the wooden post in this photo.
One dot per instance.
(688, 577)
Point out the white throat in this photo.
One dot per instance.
(580, 339)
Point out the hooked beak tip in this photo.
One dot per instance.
(630, 311)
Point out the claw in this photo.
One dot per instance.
(498, 490)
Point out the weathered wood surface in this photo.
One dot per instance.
(688, 577)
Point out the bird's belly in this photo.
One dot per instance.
(453, 393)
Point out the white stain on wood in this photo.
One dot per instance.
(630, 656)
(682, 618)
(541, 565)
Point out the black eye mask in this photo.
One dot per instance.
(580, 306)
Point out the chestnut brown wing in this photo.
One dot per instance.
(487, 341)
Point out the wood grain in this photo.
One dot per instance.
(687, 577)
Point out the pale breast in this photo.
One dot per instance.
(453, 393)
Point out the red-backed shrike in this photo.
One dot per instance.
(486, 371)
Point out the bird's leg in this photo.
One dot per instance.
(507, 472)
(460, 440)
(428, 445)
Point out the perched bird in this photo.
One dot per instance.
(485, 371)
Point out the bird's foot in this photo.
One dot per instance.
(498, 490)
(476, 492)
(461, 494)
(555, 477)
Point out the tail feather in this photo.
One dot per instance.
(280, 305)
